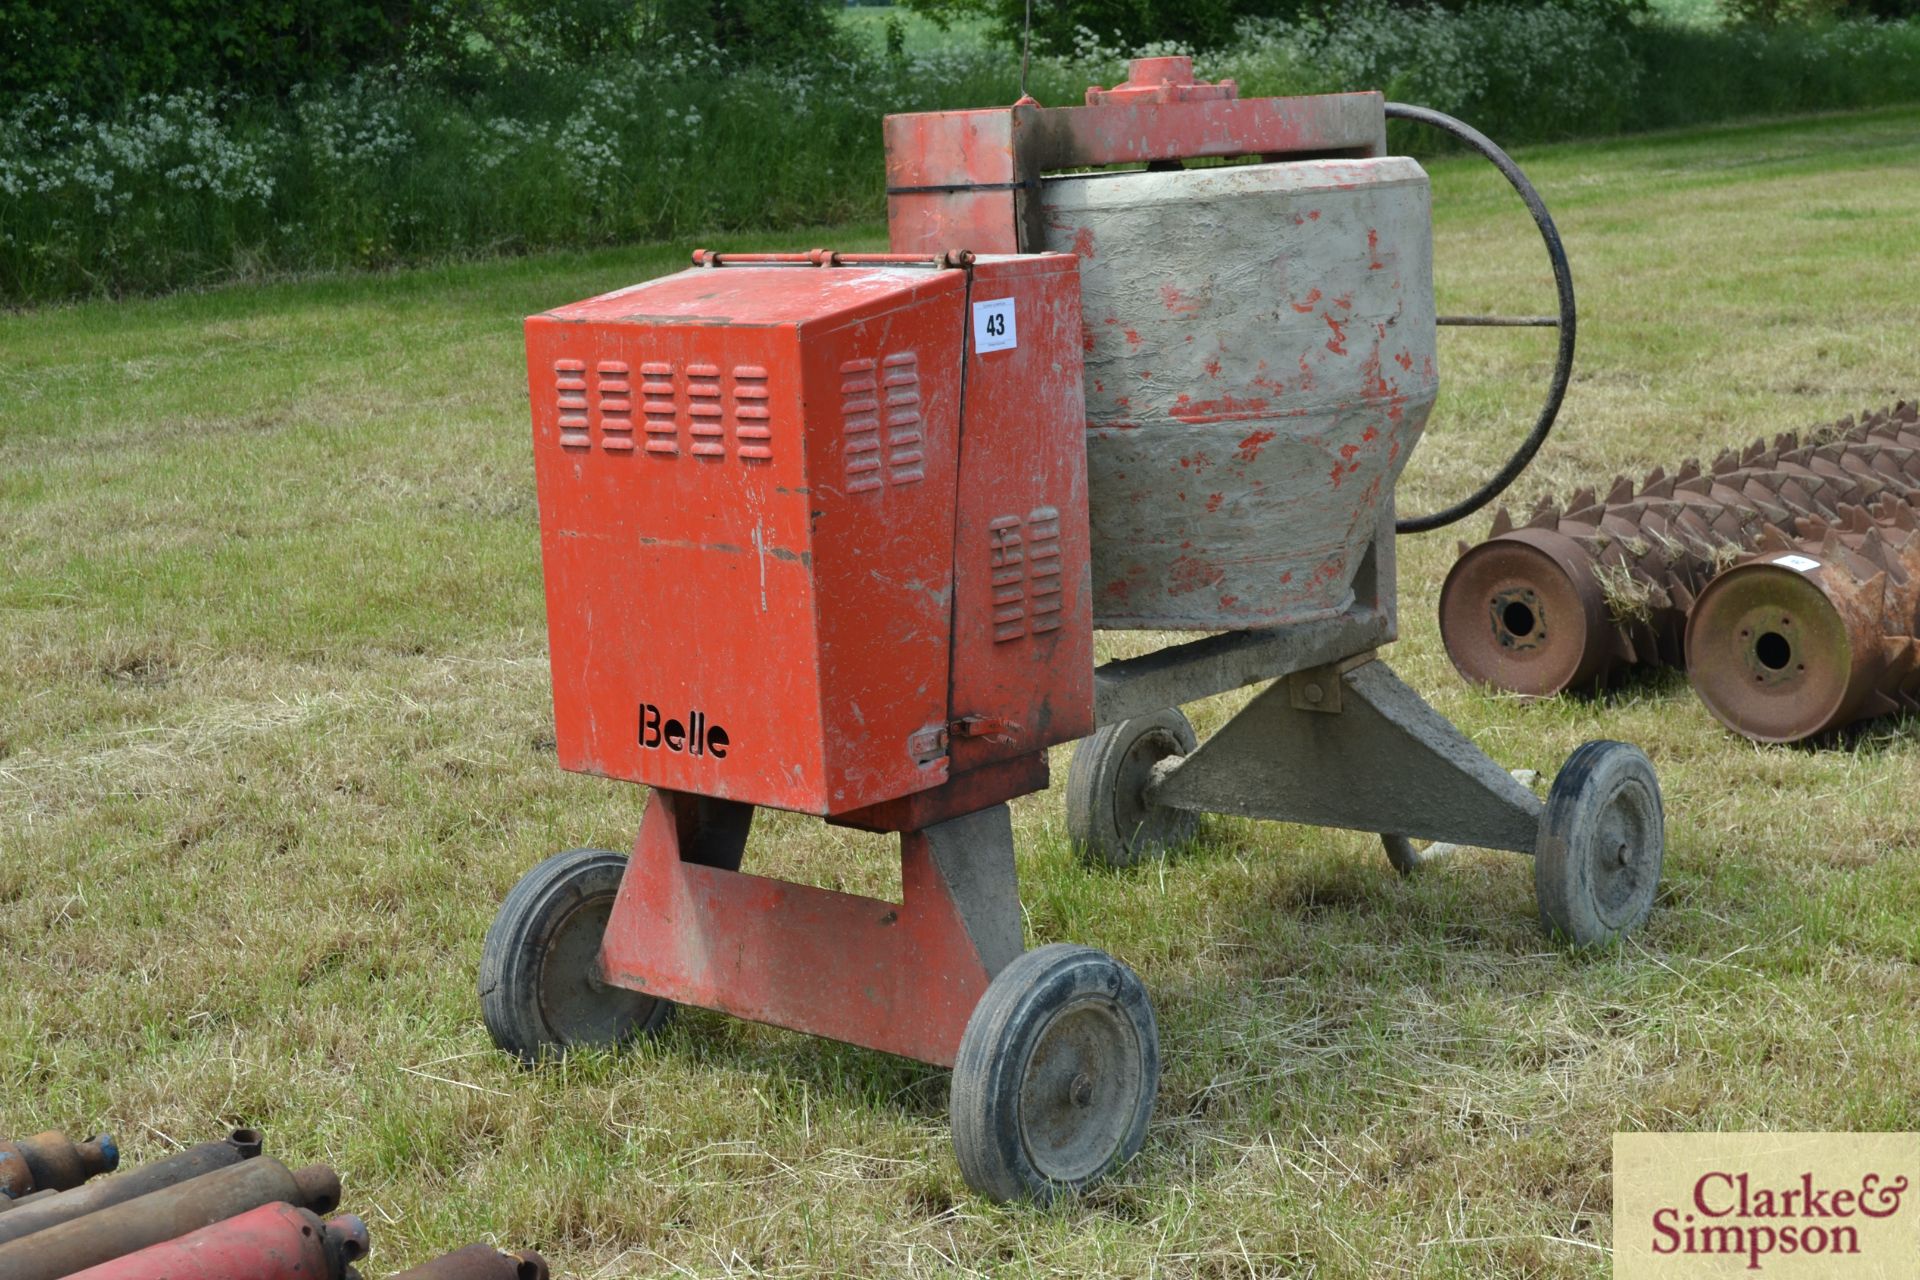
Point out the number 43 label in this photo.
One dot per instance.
(993, 326)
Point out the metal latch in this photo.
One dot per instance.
(991, 728)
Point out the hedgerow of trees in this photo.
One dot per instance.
(97, 53)
(1212, 24)
(150, 144)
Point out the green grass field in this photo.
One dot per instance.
(275, 739)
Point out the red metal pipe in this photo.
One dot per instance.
(273, 1242)
(50, 1209)
(480, 1262)
(165, 1215)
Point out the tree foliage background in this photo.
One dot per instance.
(151, 144)
(1059, 25)
(100, 53)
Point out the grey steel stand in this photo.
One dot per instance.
(1338, 740)
(1350, 745)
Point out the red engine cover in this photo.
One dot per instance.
(810, 539)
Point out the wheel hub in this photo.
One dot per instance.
(1625, 825)
(1081, 1086)
(1133, 808)
(576, 1000)
(1524, 612)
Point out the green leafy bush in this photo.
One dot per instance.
(1694, 76)
(1063, 26)
(1058, 24)
(1784, 12)
(1517, 71)
(101, 52)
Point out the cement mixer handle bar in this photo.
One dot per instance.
(1565, 321)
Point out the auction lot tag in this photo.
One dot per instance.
(993, 327)
(1787, 1206)
(1799, 564)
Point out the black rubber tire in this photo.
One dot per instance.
(540, 993)
(1108, 819)
(1056, 1076)
(1597, 866)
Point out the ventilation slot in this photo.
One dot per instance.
(860, 421)
(615, 394)
(570, 396)
(704, 412)
(657, 402)
(901, 381)
(752, 416)
(1043, 569)
(1009, 579)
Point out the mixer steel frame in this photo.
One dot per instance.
(1337, 741)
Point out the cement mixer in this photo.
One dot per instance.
(833, 532)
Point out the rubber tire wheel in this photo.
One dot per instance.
(1596, 868)
(1107, 818)
(1056, 1075)
(540, 993)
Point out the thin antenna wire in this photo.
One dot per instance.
(1026, 50)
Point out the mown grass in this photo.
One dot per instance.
(275, 739)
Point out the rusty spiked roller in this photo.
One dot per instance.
(273, 1242)
(1570, 597)
(1813, 633)
(51, 1161)
(165, 1215)
(1567, 599)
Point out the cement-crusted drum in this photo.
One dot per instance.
(1260, 363)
